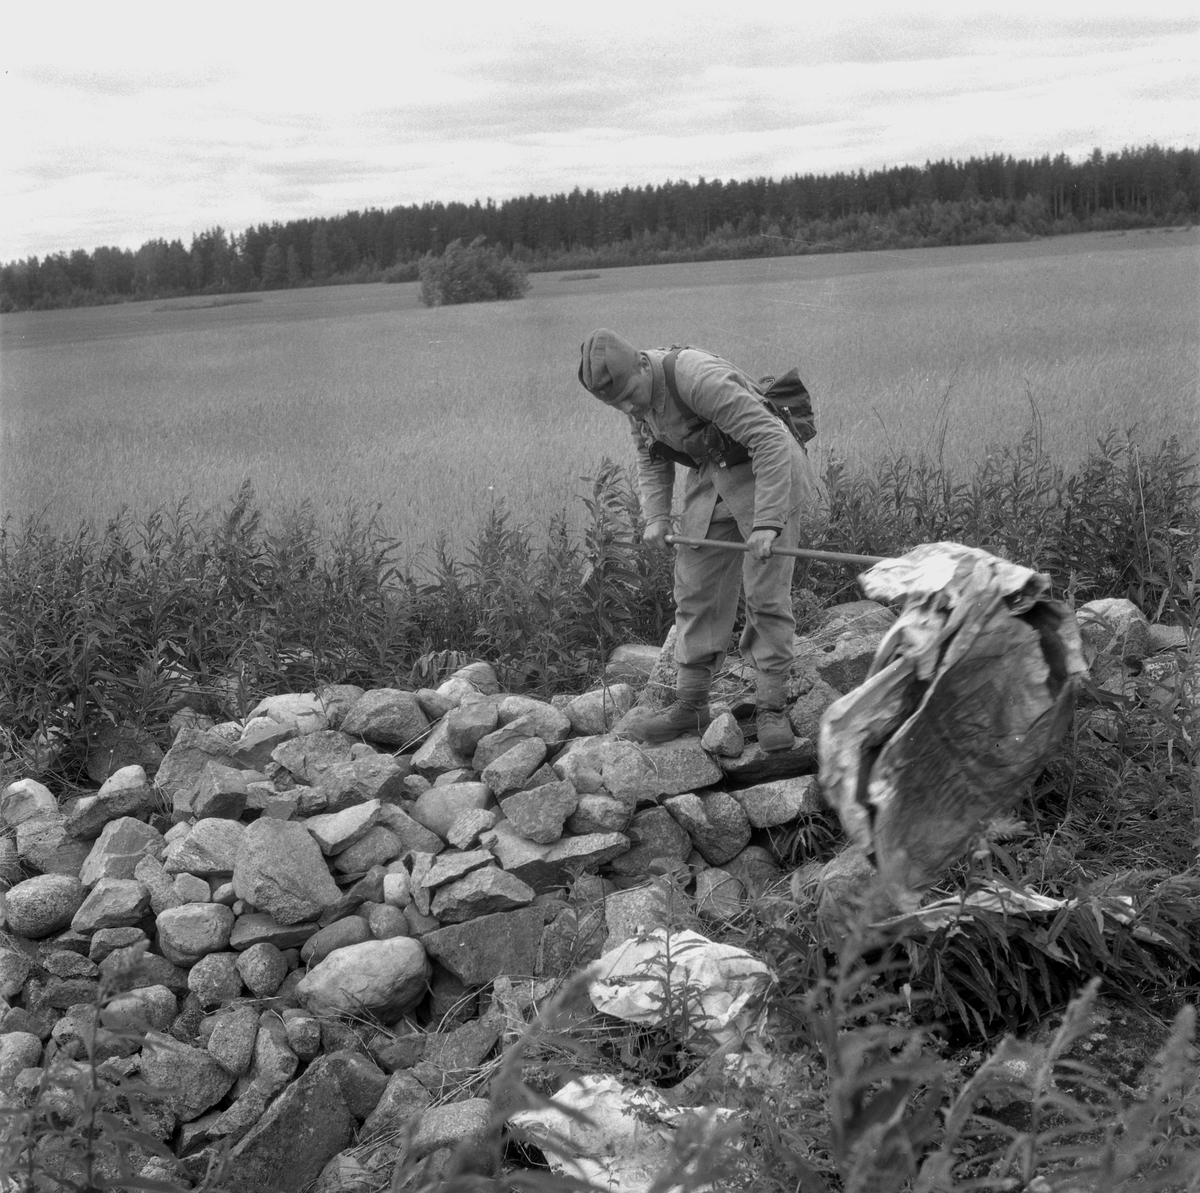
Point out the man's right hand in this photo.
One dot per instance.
(655, 535)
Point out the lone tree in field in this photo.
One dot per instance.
(470, 273)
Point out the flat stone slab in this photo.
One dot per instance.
(482, 892)
(770, 804)
(453, 865)
(257, 927)
(545, 867)
(335, 831)
(755, 765)
(301, 1131)
(481, 950)
(414, 836)
(634, 772)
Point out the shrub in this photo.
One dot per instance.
(98, 626)
(470, 273)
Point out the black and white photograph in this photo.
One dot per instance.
(600, 598)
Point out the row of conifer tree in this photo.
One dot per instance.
(987, 199)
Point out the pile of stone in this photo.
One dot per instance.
(305, 908)
(314, 914)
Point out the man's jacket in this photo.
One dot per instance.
(776, 484)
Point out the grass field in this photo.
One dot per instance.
(359, 393)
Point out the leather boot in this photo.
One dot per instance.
(689, 714)
(771, 719)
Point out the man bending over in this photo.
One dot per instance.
(748, 480)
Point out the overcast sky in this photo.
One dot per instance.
(125, 121)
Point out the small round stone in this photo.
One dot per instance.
(386, 921)
(215, 979)
(263, 968)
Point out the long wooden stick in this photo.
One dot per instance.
(799, 552)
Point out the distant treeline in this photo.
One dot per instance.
(977, 201)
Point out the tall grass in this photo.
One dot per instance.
(357, 394)
(102, 624)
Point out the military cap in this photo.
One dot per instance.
(607, 363)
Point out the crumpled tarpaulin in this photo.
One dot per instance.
(720, 985)
(626, 1140)
(967, 697)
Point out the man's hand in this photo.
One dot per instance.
(655, 535)
(760, 542)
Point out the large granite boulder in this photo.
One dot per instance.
(46, 846)
(120, 847)
(716, 823)
(304, 712)
(112, 903)
(437, 755)
(192, 931)
(224, 791)
(483, 949)
(126, 792)
(770, 804)
(300, 1132)
(1113, 626)
(336, 831)
(367, 777)
(631, 664)
(438, 807)
(383, 978)
(544, 867)
(309, 756)
(26, 799)
(538, 813)
(469, 723)
(542, 720)
(280, 870)
(194, 1081)
(513, 769)
(182, 770)
(209, 848)
(43, 905)
(756, 765)
(483, 891)
(657, 837)
(632, 772)
(389, 716)
(599, 710)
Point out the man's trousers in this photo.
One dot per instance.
(707, 585)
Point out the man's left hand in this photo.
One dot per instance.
(760, 542)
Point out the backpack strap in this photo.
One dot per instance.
(673, 386)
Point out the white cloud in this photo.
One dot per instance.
(131, 121)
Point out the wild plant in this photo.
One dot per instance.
(89, 1125)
